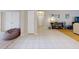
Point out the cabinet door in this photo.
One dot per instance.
(11, 20)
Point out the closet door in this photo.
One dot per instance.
(30, 21)
(11, 20)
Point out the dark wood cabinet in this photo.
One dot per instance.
(57, 25)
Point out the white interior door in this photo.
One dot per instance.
(31, 26)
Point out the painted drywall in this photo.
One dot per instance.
(23, 15)
(25, 19)
(35, 20)
(0, 20)
(11, 20)
(28, 22)
(62, 18)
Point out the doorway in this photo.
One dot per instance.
(40, 19)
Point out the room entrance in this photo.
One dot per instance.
(40, 19)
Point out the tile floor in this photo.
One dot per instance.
(45, 39)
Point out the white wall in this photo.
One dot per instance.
(0, 20)
(27, 20)
(11, 20)
(62, 13)
(24, 19)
